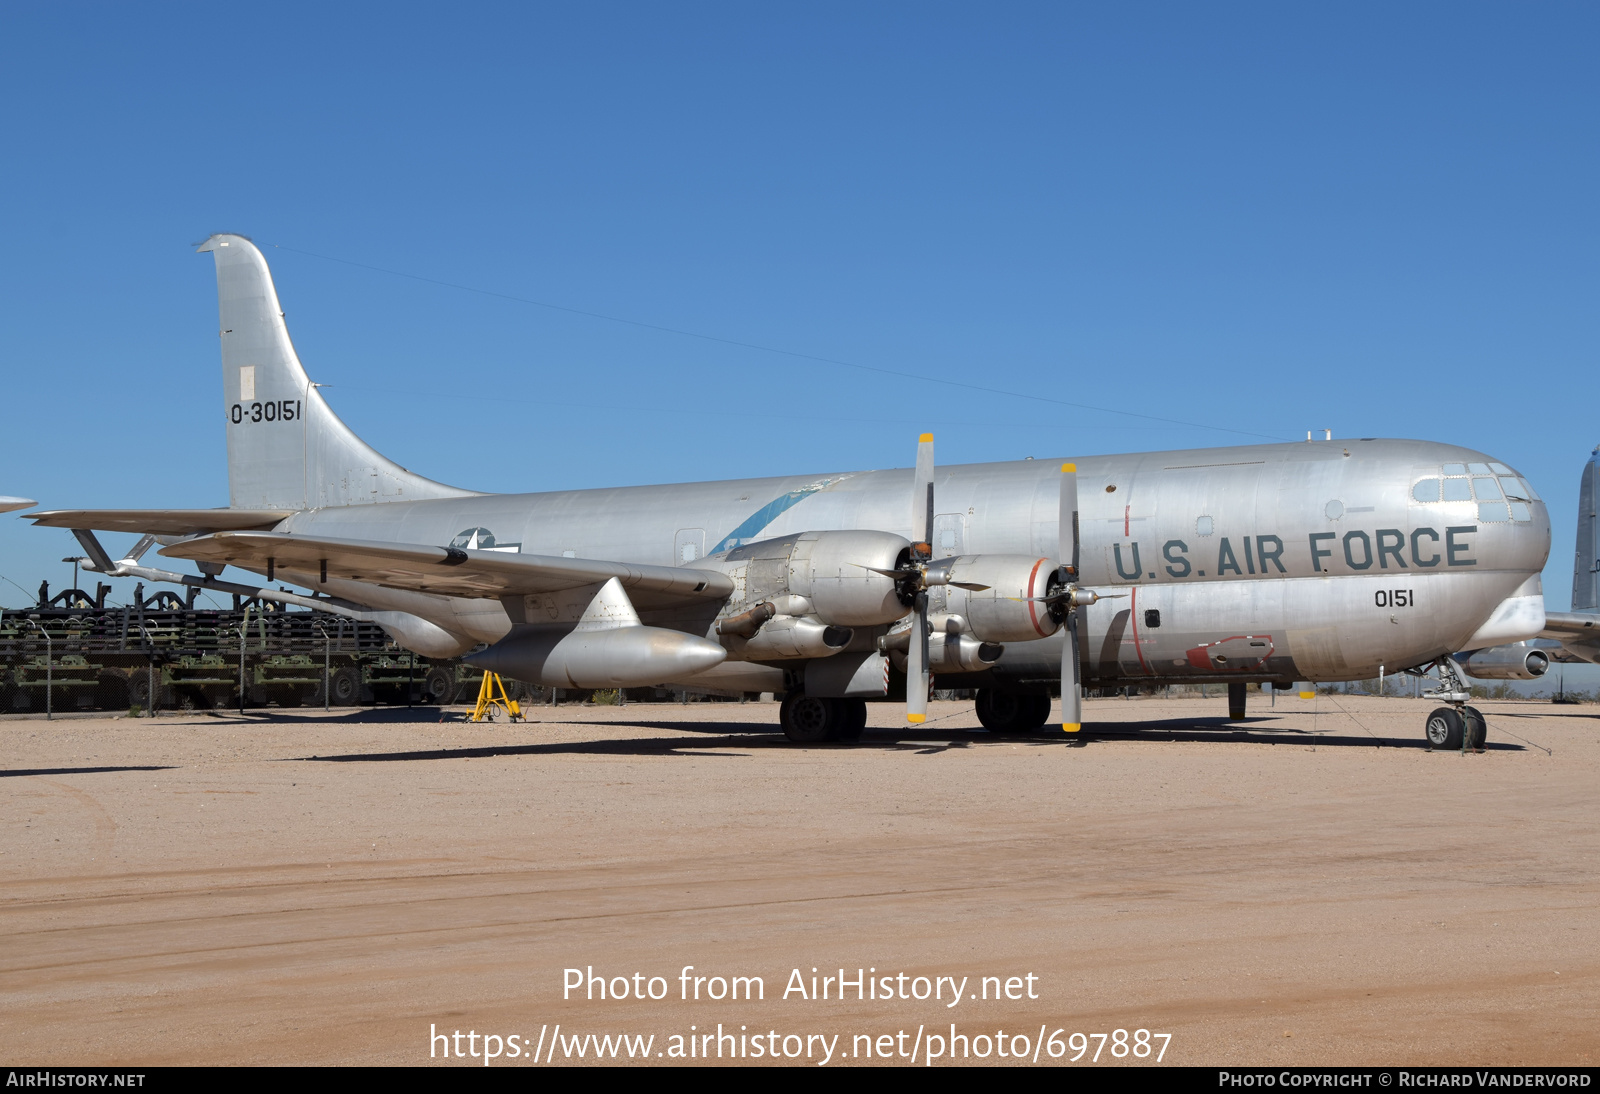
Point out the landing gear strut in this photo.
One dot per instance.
(1236, 694)
(1456, 727)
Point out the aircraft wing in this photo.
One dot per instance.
(161, 522)
(1578, 633)
(449, 571)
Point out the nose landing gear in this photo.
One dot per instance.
(1456, 727)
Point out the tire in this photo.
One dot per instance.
(440, 685)
(112, 692)
(852, 715)
(1476, 729)
(1005, 713)
(345, 687)
(1038, 713)
(807, 720)
(1444, 729)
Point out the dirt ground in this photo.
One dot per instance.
(1309, 887)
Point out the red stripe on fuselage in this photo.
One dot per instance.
(1133, 618)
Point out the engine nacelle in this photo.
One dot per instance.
(1515, 662)
(823, 574)
(948, 651)
(1009, 609)
(961, 653)
(788, 637)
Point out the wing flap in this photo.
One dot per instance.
(449, 571)
(162, 522)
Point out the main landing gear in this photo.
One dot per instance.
(1010, 713)
(1456, 727)
(808, 720)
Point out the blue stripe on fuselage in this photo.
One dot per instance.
(764, 516)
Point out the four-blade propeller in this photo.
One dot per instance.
(915, 576)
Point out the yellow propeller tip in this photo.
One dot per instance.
(926, 437)
(1069, 468)
(1071, 727)
(916, 718)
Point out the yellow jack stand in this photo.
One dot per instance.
(491, 695)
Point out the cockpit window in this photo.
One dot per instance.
(1502, 495)
(1532, 495)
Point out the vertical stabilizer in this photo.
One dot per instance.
(1586, 566)
(287, 449)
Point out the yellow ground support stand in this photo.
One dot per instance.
(493, 694)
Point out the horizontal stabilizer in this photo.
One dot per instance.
(450, 571)
(1571, 624)
(162, 522)
(1578, 633)
(8, 504)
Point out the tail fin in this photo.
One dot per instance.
(286, 447)
(1586, 567)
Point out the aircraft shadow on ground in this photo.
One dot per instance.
(731, 740)
(18, 773)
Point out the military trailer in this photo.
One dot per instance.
(71, 652)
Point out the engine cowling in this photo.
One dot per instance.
(1514, 662)
(828, 575)
(1009, 609)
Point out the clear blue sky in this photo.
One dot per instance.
(1262, 218)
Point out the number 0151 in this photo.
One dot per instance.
(1393, 598)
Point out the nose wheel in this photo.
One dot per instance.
(1456, 727)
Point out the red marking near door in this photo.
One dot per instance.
(1126, 509)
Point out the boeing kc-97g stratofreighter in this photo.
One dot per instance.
(1273, 563)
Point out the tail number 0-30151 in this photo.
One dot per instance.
(283, 410)
(1394, 598)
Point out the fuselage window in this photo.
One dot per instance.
(1486, 489)
(1152, 618)
(1427, 490)
(1455, 469)
(1457, 490)
(1493, 511)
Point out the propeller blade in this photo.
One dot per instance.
(1071, 694)
(922, 491)
(1068, 532)
(917, 664)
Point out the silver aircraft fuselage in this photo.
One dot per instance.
(1323, 560)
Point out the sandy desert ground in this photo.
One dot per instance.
(1309, 887)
